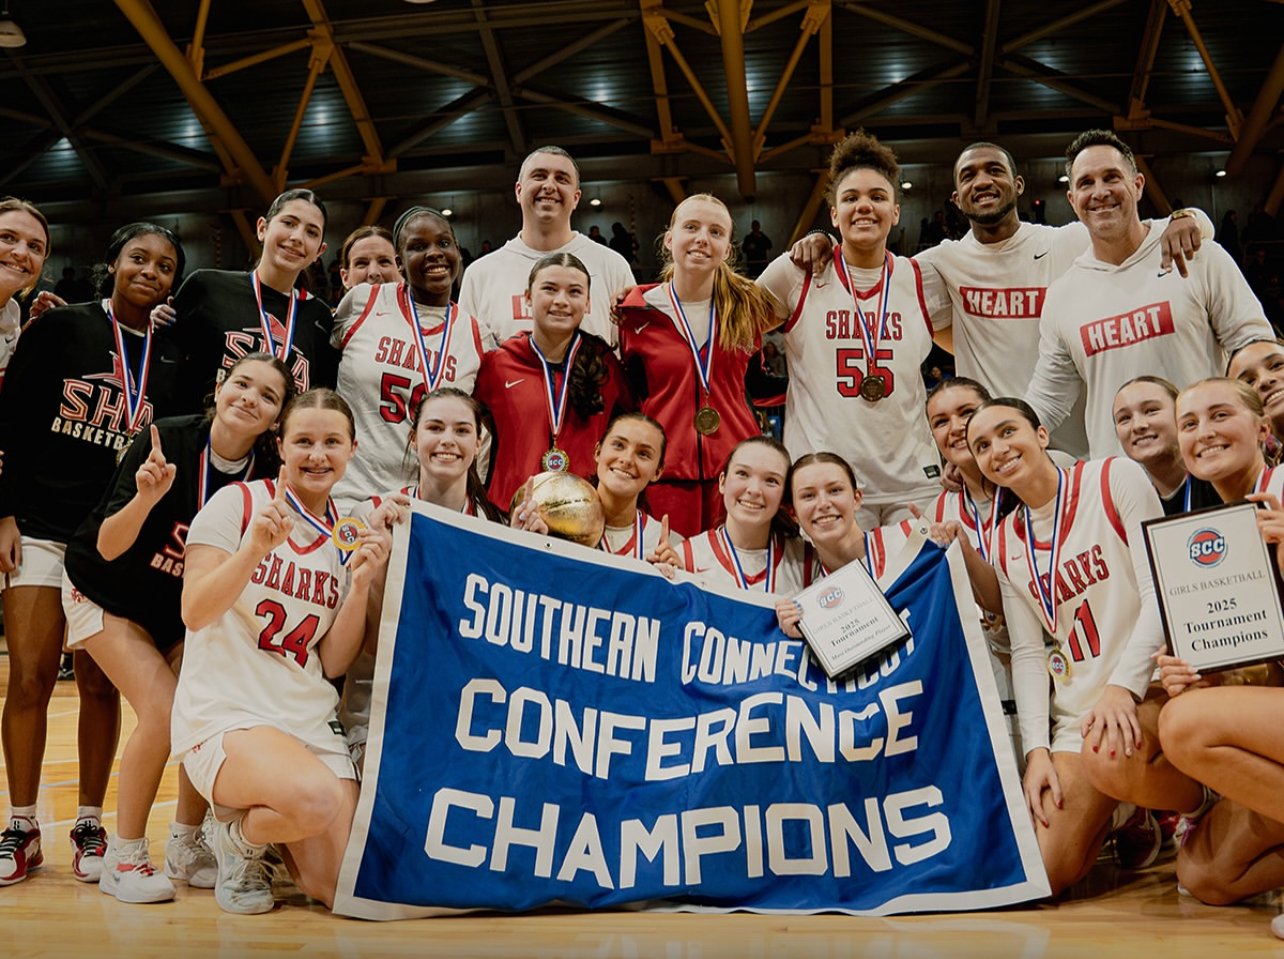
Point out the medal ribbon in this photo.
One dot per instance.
(1048, 594)
(135, 390)
(556, 399)
(984, 531)
(203, 474)
(432, 374)
(1262, 479)
(323, 525)
(704, 367)
(769, 578)
(291, 317)
(1189, 484)
(638, 549)
(869, 337)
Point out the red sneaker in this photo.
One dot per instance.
(88, 846)
(19, 854)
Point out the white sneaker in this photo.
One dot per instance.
(190, 860)
(243, 883)
(128, 874)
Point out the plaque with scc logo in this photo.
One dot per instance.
(846, 618)
(1218, 587)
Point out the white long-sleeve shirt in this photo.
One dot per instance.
(1104, 324)
(1107, 616)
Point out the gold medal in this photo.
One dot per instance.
(347, 533)
(555, 461)
(873, 388)
(707, 420)
(1058, 663)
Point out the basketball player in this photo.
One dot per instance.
(122, 590)
(84, 380)
(550, 392)
(222, 315)
(274, 607)
(1116, 313)
(687, 343)
(400, 341)
(1145, 416)
(855, 337)
(1216, 728)
(630, 460)
(1071, 559)
(748, 550)
(494, 289)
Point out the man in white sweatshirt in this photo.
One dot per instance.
(1116, 313)
(494, 287)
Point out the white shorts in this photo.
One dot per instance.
(84, 616)
(42, 562)
(203, 761)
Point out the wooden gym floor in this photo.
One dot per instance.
(1114, 914)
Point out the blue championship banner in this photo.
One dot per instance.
(553, 725)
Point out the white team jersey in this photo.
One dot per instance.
(976, 517)
(887, 442)
(623, 540)
(10, 327)
(381, 375)
(710, 563)
(494, 288)
(882, 545)
(1107, 617)
(1104, 324)
(996, 293)
(256, 665)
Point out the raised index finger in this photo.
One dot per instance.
(664, 530)
(156, 442)
(279, 497)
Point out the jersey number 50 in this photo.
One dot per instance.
(295, 642)
(393, 405)
(852, 370)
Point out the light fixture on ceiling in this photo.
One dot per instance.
(1063, 179)
(11, 34)
(596, 201)
(906, 185)
(447, 212)
(1219, 174)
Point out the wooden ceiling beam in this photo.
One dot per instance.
(499, 79)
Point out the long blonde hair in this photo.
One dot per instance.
(744, 309)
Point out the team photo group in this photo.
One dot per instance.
(218, 492)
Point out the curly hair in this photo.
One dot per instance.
(861, 151)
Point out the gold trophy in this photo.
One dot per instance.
(568, 504)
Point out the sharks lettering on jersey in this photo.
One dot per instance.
(169, 558)
(93, 408)
(240, 343)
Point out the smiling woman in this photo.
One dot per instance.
(24, 247)
(223, 315)
(400, 340)
(687, 343)
(855, 338)
(84, 380)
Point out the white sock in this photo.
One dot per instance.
(181, 830)
(124, 847)
(248, 849)
(94, 813)
(24, 817)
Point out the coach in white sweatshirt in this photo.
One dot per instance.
(1116, 314)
